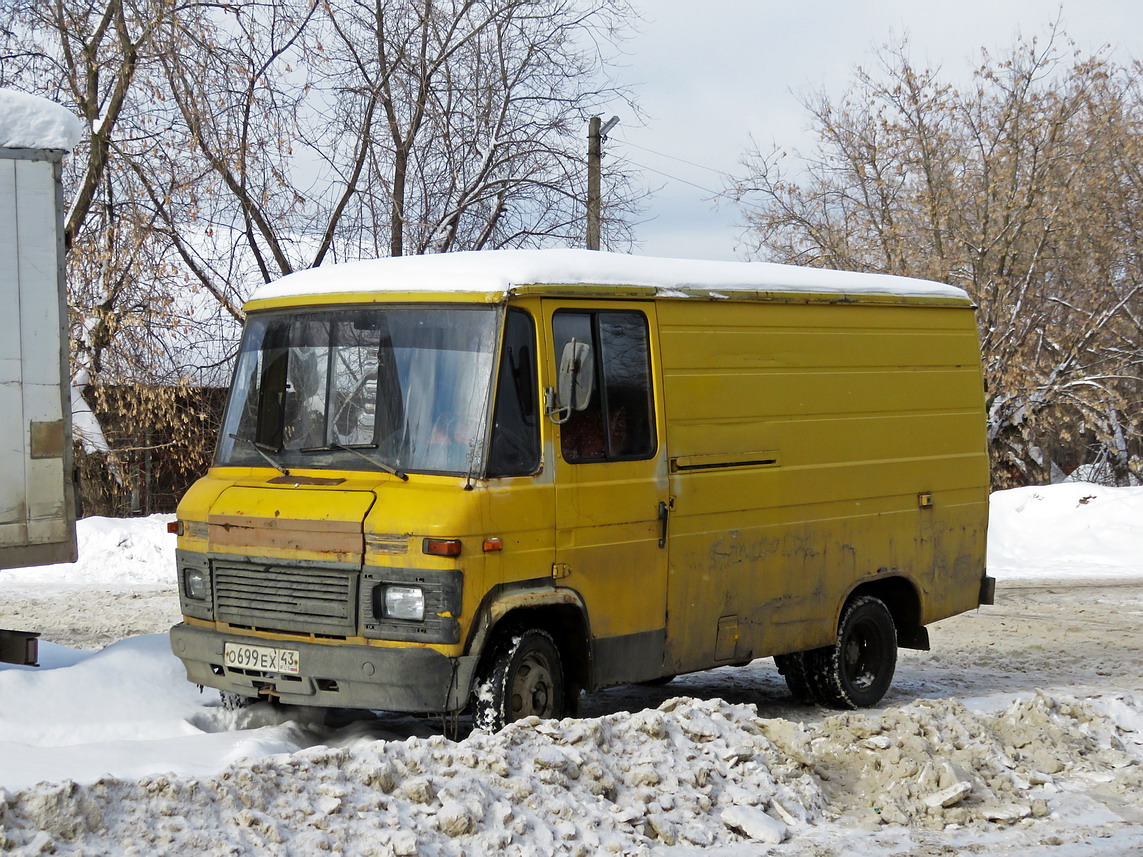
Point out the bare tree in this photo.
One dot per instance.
(347, 129)
(477, 110)
(236, 142)
(1024, 189)
(233, 207)
(128, 326)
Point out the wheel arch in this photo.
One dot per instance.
(901, 596)
(558, 611)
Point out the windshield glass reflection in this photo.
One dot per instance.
(398, 388)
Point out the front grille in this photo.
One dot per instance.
(277, 598)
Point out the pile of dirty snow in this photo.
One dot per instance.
(691, 774)
(937, 764)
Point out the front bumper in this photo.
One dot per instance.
(333, 675)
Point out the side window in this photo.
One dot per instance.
(618, 422)
(515, 422)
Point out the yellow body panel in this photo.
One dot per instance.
(860, 409)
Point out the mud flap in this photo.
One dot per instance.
(987, 590)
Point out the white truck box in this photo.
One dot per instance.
(37, 505)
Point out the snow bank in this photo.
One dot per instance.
(1069, 530)
(30, 122)
(129, 753)
(112, 551)
(690, 774)
(131, 690)
(498, 271)
(127, 711)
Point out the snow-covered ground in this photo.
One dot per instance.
(1021, 732)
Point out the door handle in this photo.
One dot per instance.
(664, 512)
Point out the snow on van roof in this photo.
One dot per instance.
(500, 271)
(30, 122)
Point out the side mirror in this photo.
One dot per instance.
(577, 375)
(574, 382)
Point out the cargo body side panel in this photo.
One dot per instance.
(802, 441)
(37, 509)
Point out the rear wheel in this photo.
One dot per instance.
(523, 677)
(857, 670)
(793, 670)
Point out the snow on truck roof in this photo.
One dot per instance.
(30, 122)
(500, 272)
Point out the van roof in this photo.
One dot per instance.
(496, 274)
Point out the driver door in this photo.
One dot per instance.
(611, 483)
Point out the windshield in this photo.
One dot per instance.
(378, 387)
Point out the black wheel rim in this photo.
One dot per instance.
(863, 655)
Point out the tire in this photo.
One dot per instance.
(523, 677)
(857, 670)
(232, 701)
(793, 669)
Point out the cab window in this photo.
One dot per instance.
(618, 422)
(515, 422)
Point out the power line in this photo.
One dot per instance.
(673, 177)
(722, 173)
(719, 194)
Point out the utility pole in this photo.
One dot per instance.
(596, 134)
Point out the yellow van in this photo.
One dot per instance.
(493, 480)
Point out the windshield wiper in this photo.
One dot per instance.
(356, 450)
(264, 450)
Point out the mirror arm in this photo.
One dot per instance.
(552, 410)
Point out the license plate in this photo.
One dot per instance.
(261, 658)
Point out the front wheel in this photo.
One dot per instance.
(855, 672)
(232, 701)
(524, 677)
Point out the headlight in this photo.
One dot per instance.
(402, 602)
(194, 584)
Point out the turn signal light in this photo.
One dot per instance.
(175, 528)
(441, 547)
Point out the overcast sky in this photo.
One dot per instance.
(710, 73)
